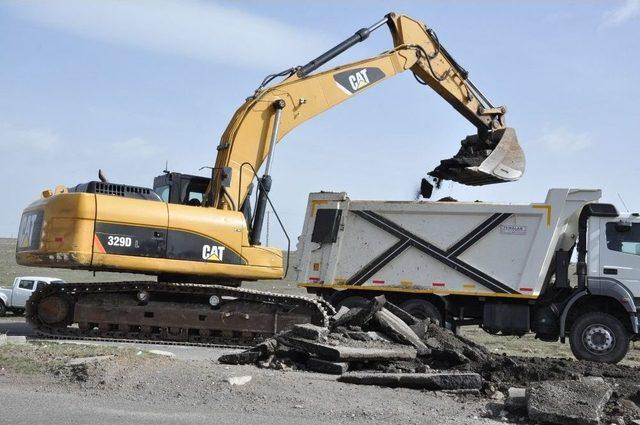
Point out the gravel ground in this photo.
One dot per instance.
(145, 388)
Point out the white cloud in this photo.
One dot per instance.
(15, 139)
(135, 147)
(560, 140)
(196, 29)
(625, 12)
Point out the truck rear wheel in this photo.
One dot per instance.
(422, 309)
(599, 337)
(3, 309)
(351, 302)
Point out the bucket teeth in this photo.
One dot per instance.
(480, 162)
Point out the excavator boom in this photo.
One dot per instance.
(493, 155)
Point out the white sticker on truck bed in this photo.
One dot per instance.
(513, 229)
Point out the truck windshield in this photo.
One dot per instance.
(627, 241)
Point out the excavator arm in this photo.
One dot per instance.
(491, 156)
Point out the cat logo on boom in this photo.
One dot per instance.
(212, 252)
(356, 79)
(359, 79)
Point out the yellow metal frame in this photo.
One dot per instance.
(417, 291)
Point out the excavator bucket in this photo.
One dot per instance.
(479, 162)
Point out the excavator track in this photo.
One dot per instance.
(168, 313)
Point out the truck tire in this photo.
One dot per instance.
(422, 309)
(18, 312)
(3, 309)
(350, 302)
(599, 337)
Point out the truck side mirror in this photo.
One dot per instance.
(623, 226)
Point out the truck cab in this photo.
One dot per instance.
(14, 299)
(618, 255)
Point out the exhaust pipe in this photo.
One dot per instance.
(481, 161)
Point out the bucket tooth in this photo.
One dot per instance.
(480, 162)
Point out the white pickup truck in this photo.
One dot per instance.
(15, 298)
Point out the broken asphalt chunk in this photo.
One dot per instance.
(343, 353)
(434, 381)
(309, 331)
(324, 366)
(359, 316)
(567, 402)
(391, 325)
(245, 357)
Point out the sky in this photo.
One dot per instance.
(129, 86)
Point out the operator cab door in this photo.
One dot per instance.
(198, 233)
(620, 252)
(22, 291)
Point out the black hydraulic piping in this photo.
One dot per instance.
(360, 35)
(265, 181)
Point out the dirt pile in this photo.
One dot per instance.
(379, 344)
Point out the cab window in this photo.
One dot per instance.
(26, 284)
(163, 192)
(194, 198)
(625, 240)
(194, 193)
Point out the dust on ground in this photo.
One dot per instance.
(126, 376)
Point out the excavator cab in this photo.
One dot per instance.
(494, 158)
(178, 188)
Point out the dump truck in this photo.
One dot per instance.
(504, 267)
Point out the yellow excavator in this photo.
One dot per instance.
(201, 237)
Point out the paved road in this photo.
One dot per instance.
(23, 406)
(16, 326)
(12, 325)
(272, 398)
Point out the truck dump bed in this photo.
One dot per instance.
(465, 248)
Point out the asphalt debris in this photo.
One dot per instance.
(380, 344)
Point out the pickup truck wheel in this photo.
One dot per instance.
(18, 312)
(3, 309)
(422, 309)
(599, 337)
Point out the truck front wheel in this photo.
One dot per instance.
(3, 309)
(599, 337)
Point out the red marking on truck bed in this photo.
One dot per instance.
(378, 282)
(439, 284)
(526, 289)
(59, 239)
(314, 279)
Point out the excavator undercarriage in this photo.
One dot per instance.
(154, 312)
